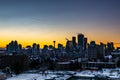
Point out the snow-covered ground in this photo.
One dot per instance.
(58, 75)
(63, 75)
(111, 73)
(84, 74)
(30, 76)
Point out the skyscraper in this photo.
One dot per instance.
(14, 47)
(69, 46)
(101, 50)
(92, 50)
(81, 40)
(74, 41)
(110, 47)
(85, 43)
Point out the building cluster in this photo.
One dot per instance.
(14, 47)
(78, 47)
(76, 52)
(90, 50)
(92, 55)
(35, 49)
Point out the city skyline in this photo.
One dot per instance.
(42, 22)
(79, 40)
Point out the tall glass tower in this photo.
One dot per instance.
(81, 40)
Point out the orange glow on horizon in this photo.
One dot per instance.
(47, 36)
(42, 43)
(26, 43)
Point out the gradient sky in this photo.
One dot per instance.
(43, 21)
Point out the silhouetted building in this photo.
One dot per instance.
(110, 48)
(14, 47)
(85, 43)
(28, 50)
(19, 48)
(74, 41)
(50, 47)
(81, 42)
(60, 48)
(35, 48)
(45, 49)
(38, 48)
(101, 51)
(92, 50)
(69, 46)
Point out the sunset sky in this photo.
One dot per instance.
(42, 21)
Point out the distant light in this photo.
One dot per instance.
(119, 49)
(110, 56)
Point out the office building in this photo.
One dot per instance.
(85, 44)
(92, 50)
(13, 47)
(74, 41)
(35, 48)
(81, 41)
(101, 50)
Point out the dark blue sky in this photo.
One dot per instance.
(68, 17)
(61, 11)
